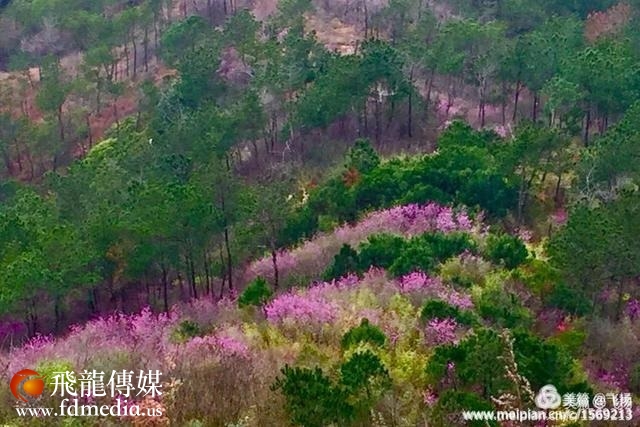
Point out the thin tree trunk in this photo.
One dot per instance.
(207, 273)
(135, 54)
(192, 275)
(557, 192)
(90, 134)
(504, 103)
(274, 260)
(146, 48)
(57, 314)
(410, 115)
(515, 100)
(620, 298)
(126, 57)
(165, 288)
(224, 273)
(587, 127)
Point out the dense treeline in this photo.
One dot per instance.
(459, 188)
(164, 207)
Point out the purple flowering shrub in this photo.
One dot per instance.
(420, 286)
(441, 331)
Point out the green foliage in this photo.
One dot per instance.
(186, 330)
(41, 254)
(422, 252)
(542, 362)
(381, 250)
(469, 168)
(426, 251)
(571, 340)
(502, 307)
(595, 250)
(362, 157)
(461, 134)
(48, 368)
(334, 199)
(182, 38)
(437, 309)
(364, 379)
(363, 333)
(472, 363)
(346, 261)
(634, 379)
(256, 293)
(569, 299)
(311, 398)
(506, 250)
(464, 170)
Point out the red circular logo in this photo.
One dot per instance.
(27, 385)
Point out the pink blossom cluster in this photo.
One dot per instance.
(299, 307)
(224, 345)
(633, 309)
(501, 130)
(616, 379)
(145, 335)
(429, 397)
(457, 299)
(419, 282)
(415, 219)
(313, 256)
(560, 216)
(441, 331)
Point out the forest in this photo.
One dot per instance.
(321, 213)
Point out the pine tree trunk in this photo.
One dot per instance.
(165, 288)
(587, 127)
(274, 260)
(515, 100)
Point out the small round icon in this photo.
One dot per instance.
(548, 397)
(27, 385)
(599, 401)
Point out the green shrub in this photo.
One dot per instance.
(424, 252)
(311, 399)
(571, 340)
(364, 333)
(362, 157)
(506, 250)
(346, 261)
(634, 379)
(381, 250)
(186, 330)
(569, 299)
(364, 379)
(543, 362)
(502, 307)
(256, 293)
(48, 368)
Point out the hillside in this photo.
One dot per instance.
(319, 213)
